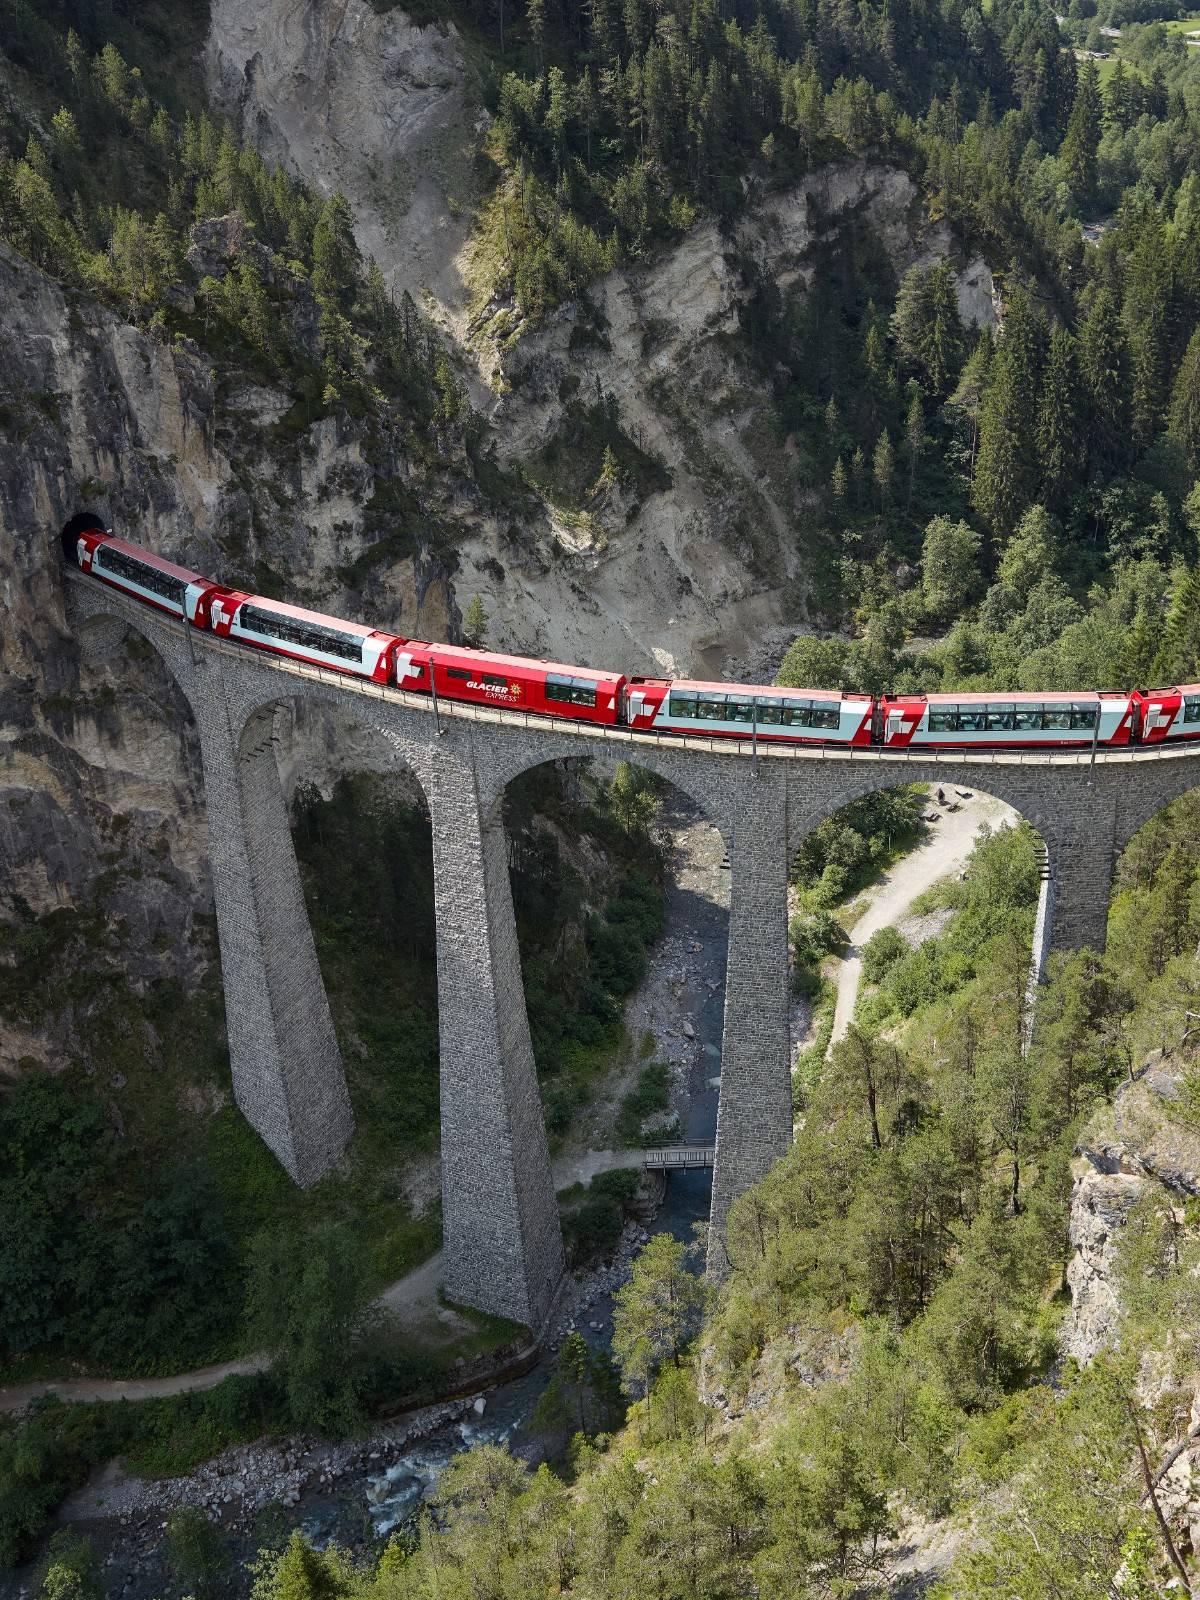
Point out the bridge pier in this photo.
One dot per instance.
(287, 1070)
(503, 1244)
(1082, 861)
(754, 1113)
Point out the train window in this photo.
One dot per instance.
(825, 717)
(558, 689)
(1027, 721)
(141, 573)
(771, 712)
(682, 706)
(712, 710)
(972, 721)
(458, 675)
(302, 633)
(999, 718)
(1056, 717)
(583, 693)
(1191, 710)
(490, 677)
(741, 711)
(796, 714)
(1083, 716)
(943, 721)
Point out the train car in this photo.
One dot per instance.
(742, 711)
(1168, 715)
(483, 677)
(1006, 721)
(147, 577)
(304, 635)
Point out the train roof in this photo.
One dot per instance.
(462, 655)
(695, 686)
(1003, 697)
(159, 563)
(337, 624)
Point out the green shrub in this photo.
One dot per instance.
(880, 954)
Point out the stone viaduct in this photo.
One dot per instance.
(503, 1249)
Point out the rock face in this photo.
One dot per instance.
(367, 102)
(1130, 1149)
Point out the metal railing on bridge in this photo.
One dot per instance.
(678, 1157)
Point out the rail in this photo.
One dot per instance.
(599, 733)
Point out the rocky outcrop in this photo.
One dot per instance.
(1132, 1147)
(365, 101)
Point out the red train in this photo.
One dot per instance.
(682, 706)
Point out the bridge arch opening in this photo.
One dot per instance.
(358, 824)
(879, 886)
(624, 982)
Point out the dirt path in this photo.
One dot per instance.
(940, 854)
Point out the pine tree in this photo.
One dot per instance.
(1185, 404)
(475, 624)
(883, 469)
(1148, 304)
(1104, 364)
(335, 257)
(1059, 424)
(914, 439)
(1005, 466)
(1082, 143)
(1118, 97)
(837, 482)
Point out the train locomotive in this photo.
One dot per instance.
(680, 706)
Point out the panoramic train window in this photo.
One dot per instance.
(742, 711)
(568, 691)
(123, 566)
(942, 721)
(1083, 716)
(1028, 721)
(998, 717)
(1191, 710)
(307, 635)
(682, 706)
(711, 710)
(972, 721)
(770, 712)
(1056, 717)
(797, 714)
(825, 717)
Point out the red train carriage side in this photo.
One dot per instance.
(147, 577)
(304, 635)
(1006, 721)
(738, 711)
(483, 677)
(1170, 714)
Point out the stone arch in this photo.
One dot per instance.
(840, 787)
(1150, 789)
(696, 776)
